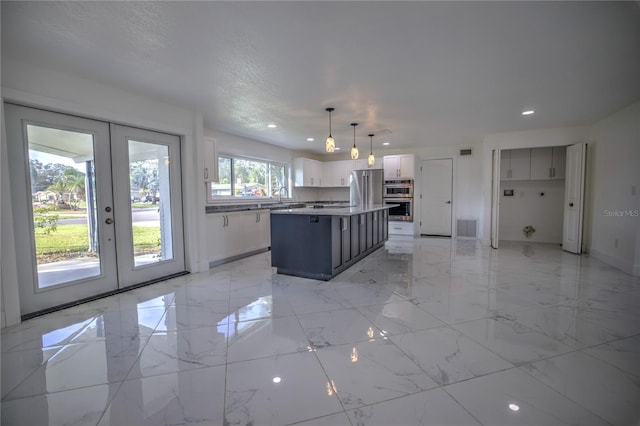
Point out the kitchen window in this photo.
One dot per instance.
(241, 177)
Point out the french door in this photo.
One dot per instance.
(96, 206)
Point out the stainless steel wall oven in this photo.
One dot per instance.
(403, 211)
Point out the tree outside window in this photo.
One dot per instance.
(245, 177)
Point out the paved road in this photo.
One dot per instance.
(140, 216)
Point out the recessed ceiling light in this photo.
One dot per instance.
(385, 143)
(337, 148)
(271, 126)
(277, 380)
(528, 112)
(514, 407)
(310, 139)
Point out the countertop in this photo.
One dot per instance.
(332, 210)
(273, 206)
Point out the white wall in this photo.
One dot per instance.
(528, 207)
(614, 155)
(47, 89)
(527, 139)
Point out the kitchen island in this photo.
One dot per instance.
(321, 242)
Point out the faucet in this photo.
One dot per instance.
(280, 193)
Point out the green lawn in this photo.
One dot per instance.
(72, 240)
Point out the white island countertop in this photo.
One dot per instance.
(333, 210)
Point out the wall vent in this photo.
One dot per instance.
(465, 151)
(467, 228)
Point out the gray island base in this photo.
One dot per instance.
(320, 243)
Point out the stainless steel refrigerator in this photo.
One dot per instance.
(366, 187)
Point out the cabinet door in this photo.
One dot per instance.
(346, 239)
(362, 232)
(264, 229)
(559, 161)
(520, 164)
(240, 227)
(345, 171)
(210, 160)
(329, 170)
(216, 236)
(541, 167)
(355, 235)
(391, 166)
(369, 230)
(505, 164)
(407, 166)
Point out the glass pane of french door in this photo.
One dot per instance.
(62, 171)
(150, 196)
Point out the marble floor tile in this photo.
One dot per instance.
(337, 327)
(80, 365)
(339, 419)
(74, 407)
(433, 407)
(624, 354)
(16, 366)
(399, 317)
(448, 356)
(265, 338)
(511, 340)
(557, 323)
(422, 331)
(512, 397)
(279, 390)
(368, 372)
(175, 351)
(188, 397)
(604, 389)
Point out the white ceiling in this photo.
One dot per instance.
(432, 73)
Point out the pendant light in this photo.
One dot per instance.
(354, 150)
(371, 159)
(330, 144)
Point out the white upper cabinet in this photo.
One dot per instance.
(330, 174)
(548, 163)
(336, 173)
(210, 160)
(399, 166)
(515, 164)
(307, 172)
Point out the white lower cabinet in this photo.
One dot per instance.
(231, 235)
(400, 228)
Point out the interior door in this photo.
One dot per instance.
(60, 171)
(495, 198)
(148, 204)
(436, 197)
(574, 198)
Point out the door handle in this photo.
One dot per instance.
(108, 221)
(570, 204)
(448, 202)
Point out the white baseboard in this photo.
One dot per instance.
(623, 265)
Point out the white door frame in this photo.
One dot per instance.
(495, 198)
(573, 221)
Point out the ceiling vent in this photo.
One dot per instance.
(465, 151)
